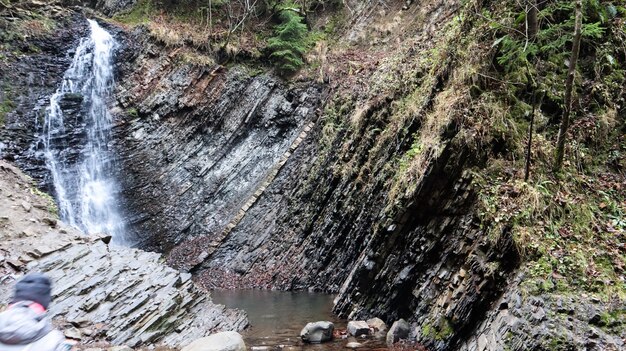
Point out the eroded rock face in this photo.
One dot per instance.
(198, 145)
(30, 73)
(549, 322)
(118, 294)
(196, 142)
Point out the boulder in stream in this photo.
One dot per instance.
(224, 341)
(377, 324)
(358, 328)
(398, 331)
(317, 332)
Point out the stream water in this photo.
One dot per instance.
(85, 190)
(277, 317)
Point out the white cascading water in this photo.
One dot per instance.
(85, 189)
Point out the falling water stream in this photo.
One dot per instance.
(85, 189)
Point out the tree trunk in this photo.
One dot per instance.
(565, 120)
(531, 32)
(530, 137)
(531, 19)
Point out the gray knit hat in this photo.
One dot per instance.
(34, 287)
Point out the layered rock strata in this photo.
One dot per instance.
(195, 142)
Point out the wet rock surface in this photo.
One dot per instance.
(29, 74)
(101, 292)
(317, 332)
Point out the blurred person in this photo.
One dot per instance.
(23, 325)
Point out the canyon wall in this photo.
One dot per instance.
(355, 178)
(221, 170)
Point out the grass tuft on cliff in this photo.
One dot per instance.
(231, 30)
(475, 86)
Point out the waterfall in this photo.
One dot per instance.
(76, 144)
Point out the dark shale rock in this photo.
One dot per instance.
(31, 79)
(205, 140)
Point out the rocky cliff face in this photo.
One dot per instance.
(33, 63)
(333, 204)
(202, 152)
(363, 186)
(196, 141)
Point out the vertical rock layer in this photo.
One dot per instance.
(198, 141)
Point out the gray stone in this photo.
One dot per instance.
(317, 332)
(73, 333)
(120, 348)
(224, 341)
(399, 330)
(354, 345)
(377, 324)
(26, 206)
(49, 221)
(358, 328)
(538, 316)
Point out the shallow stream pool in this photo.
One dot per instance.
(276, 318)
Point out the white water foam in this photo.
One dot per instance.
(85, 189)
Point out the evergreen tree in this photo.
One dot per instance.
(288, 45)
